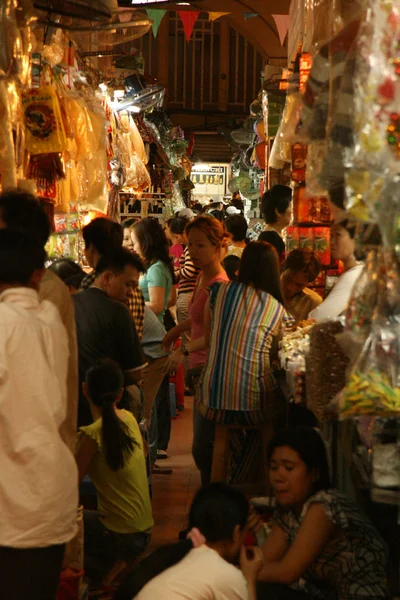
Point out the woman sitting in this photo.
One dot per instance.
(319, 540)
(343, 246)
(237, 382)
(110, 451)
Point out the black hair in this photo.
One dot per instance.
(216, 510)
(128, 223)
(104, 381)
(277, 199)
(231, 265)
(21, 211)
(178, 225)
(309, 445)
(103, 234)
(237, 202)
(259, 268)
(66, 268)
(217, 214)
(20, 256)
(75, 281)
(153, 243)
(237, 227)
(303, 260)
(117, 260)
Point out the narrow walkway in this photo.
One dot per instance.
(173, 494)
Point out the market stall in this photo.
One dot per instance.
(84, 135)
(339, 132)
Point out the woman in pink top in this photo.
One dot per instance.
(207, 242)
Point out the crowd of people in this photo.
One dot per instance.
(84, 397)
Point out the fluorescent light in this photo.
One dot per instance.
(148, 1)
(134, 108)
(119, 93)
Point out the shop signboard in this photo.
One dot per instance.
(210, 181)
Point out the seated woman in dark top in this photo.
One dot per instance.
(276, 208)
(320, 542)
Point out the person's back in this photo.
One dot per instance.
(201, 575)
(123, 495)
(38, 484)
(245, 335)
(201, 567)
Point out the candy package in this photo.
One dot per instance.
(374, 383)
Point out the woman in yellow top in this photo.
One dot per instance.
(110, 451)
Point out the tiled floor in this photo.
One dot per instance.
(173, 494)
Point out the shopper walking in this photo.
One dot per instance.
(39, 480)
(236, 226)
(188, 274)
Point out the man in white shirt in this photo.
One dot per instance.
(21, 211)
(39, 480)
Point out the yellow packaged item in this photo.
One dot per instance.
(44, 127)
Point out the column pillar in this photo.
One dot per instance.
(223, 87)
(163, 53)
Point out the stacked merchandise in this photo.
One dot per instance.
(348, 117)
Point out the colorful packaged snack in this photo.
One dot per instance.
(292, 238)
(306, 238)
(322, 244)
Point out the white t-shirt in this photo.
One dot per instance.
(202, 575)
(39, 478)
(337, 300)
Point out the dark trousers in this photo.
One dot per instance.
(31, 573)
(163, 408)
(273, 591)
(203, 445)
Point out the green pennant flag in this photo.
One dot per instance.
(156, 15)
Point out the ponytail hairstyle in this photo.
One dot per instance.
(104, 382)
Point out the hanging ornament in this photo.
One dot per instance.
(156, 15)
(282, 23)
(188, 18)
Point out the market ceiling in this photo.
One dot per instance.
(260, 31)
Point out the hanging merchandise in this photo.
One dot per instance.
(373, 177)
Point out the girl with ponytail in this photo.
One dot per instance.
(110, 451)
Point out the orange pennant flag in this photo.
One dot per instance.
(213, 16)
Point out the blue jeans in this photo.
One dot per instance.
(103, 546)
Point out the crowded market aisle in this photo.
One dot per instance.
(173, 494)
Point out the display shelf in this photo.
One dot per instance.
(385, 496)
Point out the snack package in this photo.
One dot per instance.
(292, 238)
(306, 238)
(322, 244)
(373, 387)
